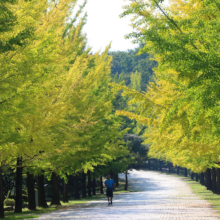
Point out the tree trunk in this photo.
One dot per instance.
(149, 164)
(126, 180)
(192, 176)
(2, 214)
(55, 188)
(214, 184)
(41, 192)
(93, 187)
(208, 179)
(218, 179)
(116, 180)
(186, 172)
(18, 197)
(89, 184)
(178, 170)
(83, 185)
(111, 174)
(169, 166)
(101, 185)
(197, 177)
(31, 192)
(202, 179)
(76, 187)
(155, 167)
(65, 191)
(160, 165)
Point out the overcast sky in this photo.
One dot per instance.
(104, 25)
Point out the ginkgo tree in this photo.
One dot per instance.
(37, 78)
(56, 105)
(90, 134)
(182, 108)
(31, 73)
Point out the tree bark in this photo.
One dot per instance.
(202, 179)
(178, 170)
(111, 174)
(2, 214)
(197, 177)
(192, 176)
(89, 184)
(218, 179)
(18, 197)
(76, 187)
(83, 185)
(101, 185)
(208, 179)
(116, 180)
(94, 187)
(186, 172)
(126, 180)
(149, 164)
(160, 165)
(55, 188)
(169, 166)
(41, 192)
(65, 191)
(214, 184)
(31, 192)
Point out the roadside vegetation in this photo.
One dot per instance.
(69, 117)
(180, 108)
(58, 129)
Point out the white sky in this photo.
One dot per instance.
(104, 25)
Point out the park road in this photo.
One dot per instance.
(158, 197)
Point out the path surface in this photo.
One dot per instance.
(159, 197)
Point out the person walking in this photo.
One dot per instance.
(110, 186)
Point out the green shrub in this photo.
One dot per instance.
(9, 202)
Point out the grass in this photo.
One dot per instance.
(28, 214)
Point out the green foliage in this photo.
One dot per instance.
(136, 70)
(137, 148)
(136, 81)
(56, 108)
(124, 64)
(9, 202)
(8, 21)
(182, 108)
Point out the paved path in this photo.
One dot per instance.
(159, 197)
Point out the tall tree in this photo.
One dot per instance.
(181, 108)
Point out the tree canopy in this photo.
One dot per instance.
(181, 106)
(55, 102)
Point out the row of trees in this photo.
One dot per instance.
(75, 186)
(181, 108)
(56, 108)
(210, 178)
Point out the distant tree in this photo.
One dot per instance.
(137, 148)
(135, 81)
(126, 63)
(136, 71)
